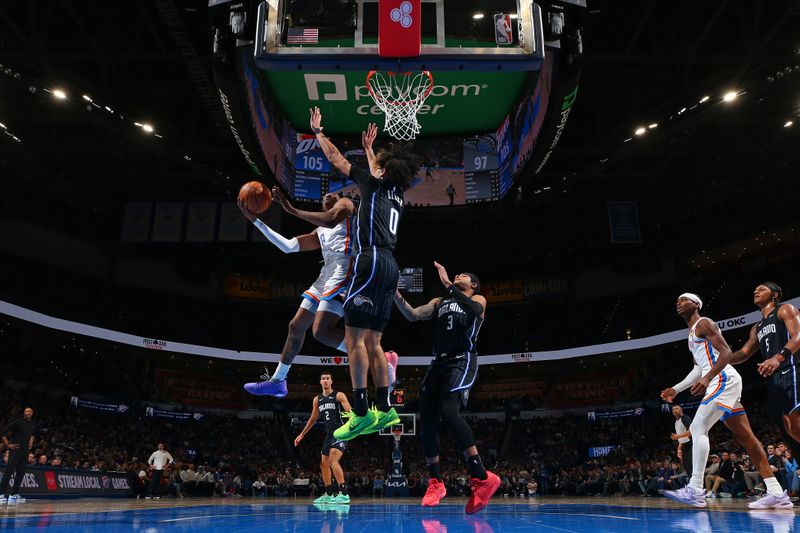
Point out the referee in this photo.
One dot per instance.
(684, 438)
(23, 433)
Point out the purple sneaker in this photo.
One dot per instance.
(687, 495)
(768, 501)
(267, 388)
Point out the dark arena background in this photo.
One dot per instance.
(589, 161)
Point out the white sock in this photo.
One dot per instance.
(773, 487)
(342, 348)
(280, 372)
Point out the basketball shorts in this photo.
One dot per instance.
(331, 442)
(371, 292)
(725, 393)
(326, 293)
(452, 373)
(783, 396)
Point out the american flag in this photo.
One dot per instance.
(302, 36)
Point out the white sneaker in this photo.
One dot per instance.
(15, 499)
(687, 495)
(147, 497)
(157, 498)
(3, 500)
(768, 501)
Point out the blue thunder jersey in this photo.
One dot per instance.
(329, 412)
(456, 330)
(379, 211)
(773, 336)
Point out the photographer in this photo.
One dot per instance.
(737, 482)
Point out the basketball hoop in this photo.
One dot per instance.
(400, 95)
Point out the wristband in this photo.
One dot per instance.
(316, 131)
(786, 353)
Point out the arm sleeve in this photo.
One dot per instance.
(689, 380)
(468, 304)
(285, 245)
(360, 176)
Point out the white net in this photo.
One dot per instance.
(400, 95)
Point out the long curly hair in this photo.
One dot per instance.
(399, 164)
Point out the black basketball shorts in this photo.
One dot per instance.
(370, 295)
(783, 396)
(451, 374)
(332, 442)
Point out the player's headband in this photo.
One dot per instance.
(777, 291)
(693, 297)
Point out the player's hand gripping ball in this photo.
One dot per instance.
(256, 196)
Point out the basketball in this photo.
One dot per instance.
(256, 196)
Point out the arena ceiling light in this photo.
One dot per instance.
(3, 126)
(730, 96)
(477, 16)
(787, 124)
(640, 131)
(653, 126)
(58, 93)
(704, 99)
(87, 98)
(148, 128)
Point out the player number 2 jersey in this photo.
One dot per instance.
(456, 330)
(329, 412)
(705, 356)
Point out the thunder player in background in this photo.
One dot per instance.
(722, 401)
(777, 335)
(447, 383)
(321, 306)
(327, 404)
(375, 273)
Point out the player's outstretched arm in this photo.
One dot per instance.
(423, 312)
(333, 154)
(312, 419)
(669, 394)
(343, 401)
(475, 305)
(367, 138)
(342, 209)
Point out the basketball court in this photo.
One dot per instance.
(600, 515)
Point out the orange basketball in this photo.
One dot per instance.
(256, 196)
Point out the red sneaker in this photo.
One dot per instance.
(433, 526)
(436, 491)
(482, 492)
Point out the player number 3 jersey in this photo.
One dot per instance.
(456, 330)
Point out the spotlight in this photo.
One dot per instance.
(788, 124)
(730, 96)
(640, 131)
(86, 97)
(58, 93)
(704, 99)
(477, 16)
(3, 126)
(682, 111)
(148, 128)
(652, 126)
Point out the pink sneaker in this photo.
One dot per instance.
(436, 491)
(391, 361)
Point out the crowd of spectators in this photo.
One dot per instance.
(233, 457)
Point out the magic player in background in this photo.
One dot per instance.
(446, 385)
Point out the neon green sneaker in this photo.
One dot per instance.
(384, 420)
(341, 498)
(325, 498)
(355, 425)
